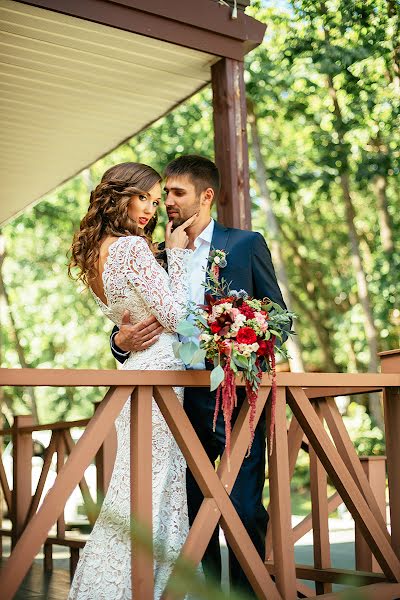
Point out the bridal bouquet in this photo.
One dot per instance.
(238, 334)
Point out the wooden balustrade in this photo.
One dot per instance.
(311, 400)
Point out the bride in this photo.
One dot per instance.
(115, 257)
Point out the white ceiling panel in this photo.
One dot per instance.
(72, 90)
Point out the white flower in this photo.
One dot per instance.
(240, 319)
(245, 350)
(217, 260)
(206, 337)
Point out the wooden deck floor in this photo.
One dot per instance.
(40, 586)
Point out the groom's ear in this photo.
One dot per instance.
(208, 196)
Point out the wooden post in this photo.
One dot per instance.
(60, 464)
(48, 557)
(390, 363)
(282, 536)
(141, 494)
(320, 514)
(22, 474)
(105, 459)
(73, 561)
(375, 470)
(230, 142)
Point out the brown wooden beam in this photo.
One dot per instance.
(282, 533)
(383, 591)
(108, 377)
(390, 363)
(332, 575)
(230, 143)
(22, 474)
(319, 514)
(375, 471)
(141, 468)
(209, 30)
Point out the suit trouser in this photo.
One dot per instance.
(247, 492)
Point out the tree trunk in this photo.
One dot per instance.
(380, 185)
(393, 11)
(14, 331)
(272, 226)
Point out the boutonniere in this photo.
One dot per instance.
(218, 261)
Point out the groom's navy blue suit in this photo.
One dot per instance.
(249, 267)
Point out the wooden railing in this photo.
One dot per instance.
(311, 400)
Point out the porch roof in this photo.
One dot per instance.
(78, 78)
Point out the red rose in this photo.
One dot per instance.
(215, 327)
(247, 311)
(246, 335)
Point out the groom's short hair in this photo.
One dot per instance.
(202, 172)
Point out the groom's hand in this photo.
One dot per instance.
(134, 338)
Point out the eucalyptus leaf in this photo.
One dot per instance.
(187, 351)
(201, 320)
(217, 377)
(186, 328)
(176, 346)
(198, 357)
(241, 361)
(233, 366)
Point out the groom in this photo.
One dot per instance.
(192, 185)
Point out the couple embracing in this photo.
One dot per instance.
(116, 258)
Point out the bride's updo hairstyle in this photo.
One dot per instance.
(107, 215)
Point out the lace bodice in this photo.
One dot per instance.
(133, 280)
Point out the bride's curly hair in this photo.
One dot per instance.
(108, 215)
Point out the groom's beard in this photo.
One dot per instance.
(180, 215)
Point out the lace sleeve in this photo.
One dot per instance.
(168, 301)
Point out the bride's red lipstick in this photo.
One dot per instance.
(143, 220)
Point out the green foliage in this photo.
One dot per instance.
(368, 440)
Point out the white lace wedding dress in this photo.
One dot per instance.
(133, 280)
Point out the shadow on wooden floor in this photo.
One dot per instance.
(38, 585)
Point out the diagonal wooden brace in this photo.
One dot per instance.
(208, 515)
(212, 487)
(349, 455)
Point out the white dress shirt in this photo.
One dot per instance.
(198, 264)
(197, 273)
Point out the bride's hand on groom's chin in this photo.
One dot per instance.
(178, 237)
(138, 337)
